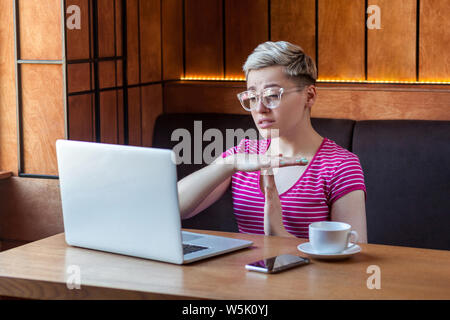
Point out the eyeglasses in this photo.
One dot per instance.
(270, 97)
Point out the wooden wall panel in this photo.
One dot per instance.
(133, 62)
(172, 39)
(151, 109)
(118, 6)
(346, 102)
(150, 39)
(383, 104)
(40, 29)
(341, 39)
(134, 116)
(78, 40)
(109, 117)
(79, 77)
(43, 117)
(8, 126)
(81, 117)
(107, 74)
(204, 38)
(119, 73)
(214, 97)
(295, 21)
(434, 39)
(391, 50)
(246, 24)
(106, 32)
(120, 117)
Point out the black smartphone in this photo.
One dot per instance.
(277, 264)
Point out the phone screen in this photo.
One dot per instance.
(276, 264)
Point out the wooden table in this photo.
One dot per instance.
(39, 270)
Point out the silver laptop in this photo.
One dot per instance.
(124, 199)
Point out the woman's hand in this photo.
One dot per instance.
(273, 212)
(254, 162)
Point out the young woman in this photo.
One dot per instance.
(294, 176)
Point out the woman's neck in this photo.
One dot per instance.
(303, 141)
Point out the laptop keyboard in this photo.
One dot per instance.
(189, 248)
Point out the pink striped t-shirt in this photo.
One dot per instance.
(332, 173)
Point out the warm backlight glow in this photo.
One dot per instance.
(383, 81)
(200, 78)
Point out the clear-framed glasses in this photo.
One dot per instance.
(270, 97)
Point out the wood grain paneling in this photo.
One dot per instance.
(371, 102)
(108, 117)
(120, 117)
(40, 29)
(133, 68)
(107, 74)
(434, 61)
(43, 117)
(78, 77)
(172, 39)
(80, 118)
(391, 50)
(383, 104)
(91, 18)
(214, 97)
(204, 38)
(294, 21)
(119, 43)
(150, 39)
(31, 209)
(134, 117)
(407, 274)
(151, 109)
(8, 126)
(106, 32)
(119, 73)
(341, 39)
(246, 24)
(78, 39)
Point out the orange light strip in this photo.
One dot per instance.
(383, 81)
(198, 78)
(214, 78)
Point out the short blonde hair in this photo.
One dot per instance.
(297, 64)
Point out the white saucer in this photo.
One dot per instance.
(307, 248)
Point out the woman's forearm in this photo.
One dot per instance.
(194, 188)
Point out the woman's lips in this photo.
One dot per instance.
(265, 124)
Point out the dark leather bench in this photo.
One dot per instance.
(405, 163)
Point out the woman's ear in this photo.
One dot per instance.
(311, 94)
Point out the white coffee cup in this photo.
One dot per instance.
(331, 236)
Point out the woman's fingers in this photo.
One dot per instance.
(253, 162)
(279, 161)
(293, 161)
